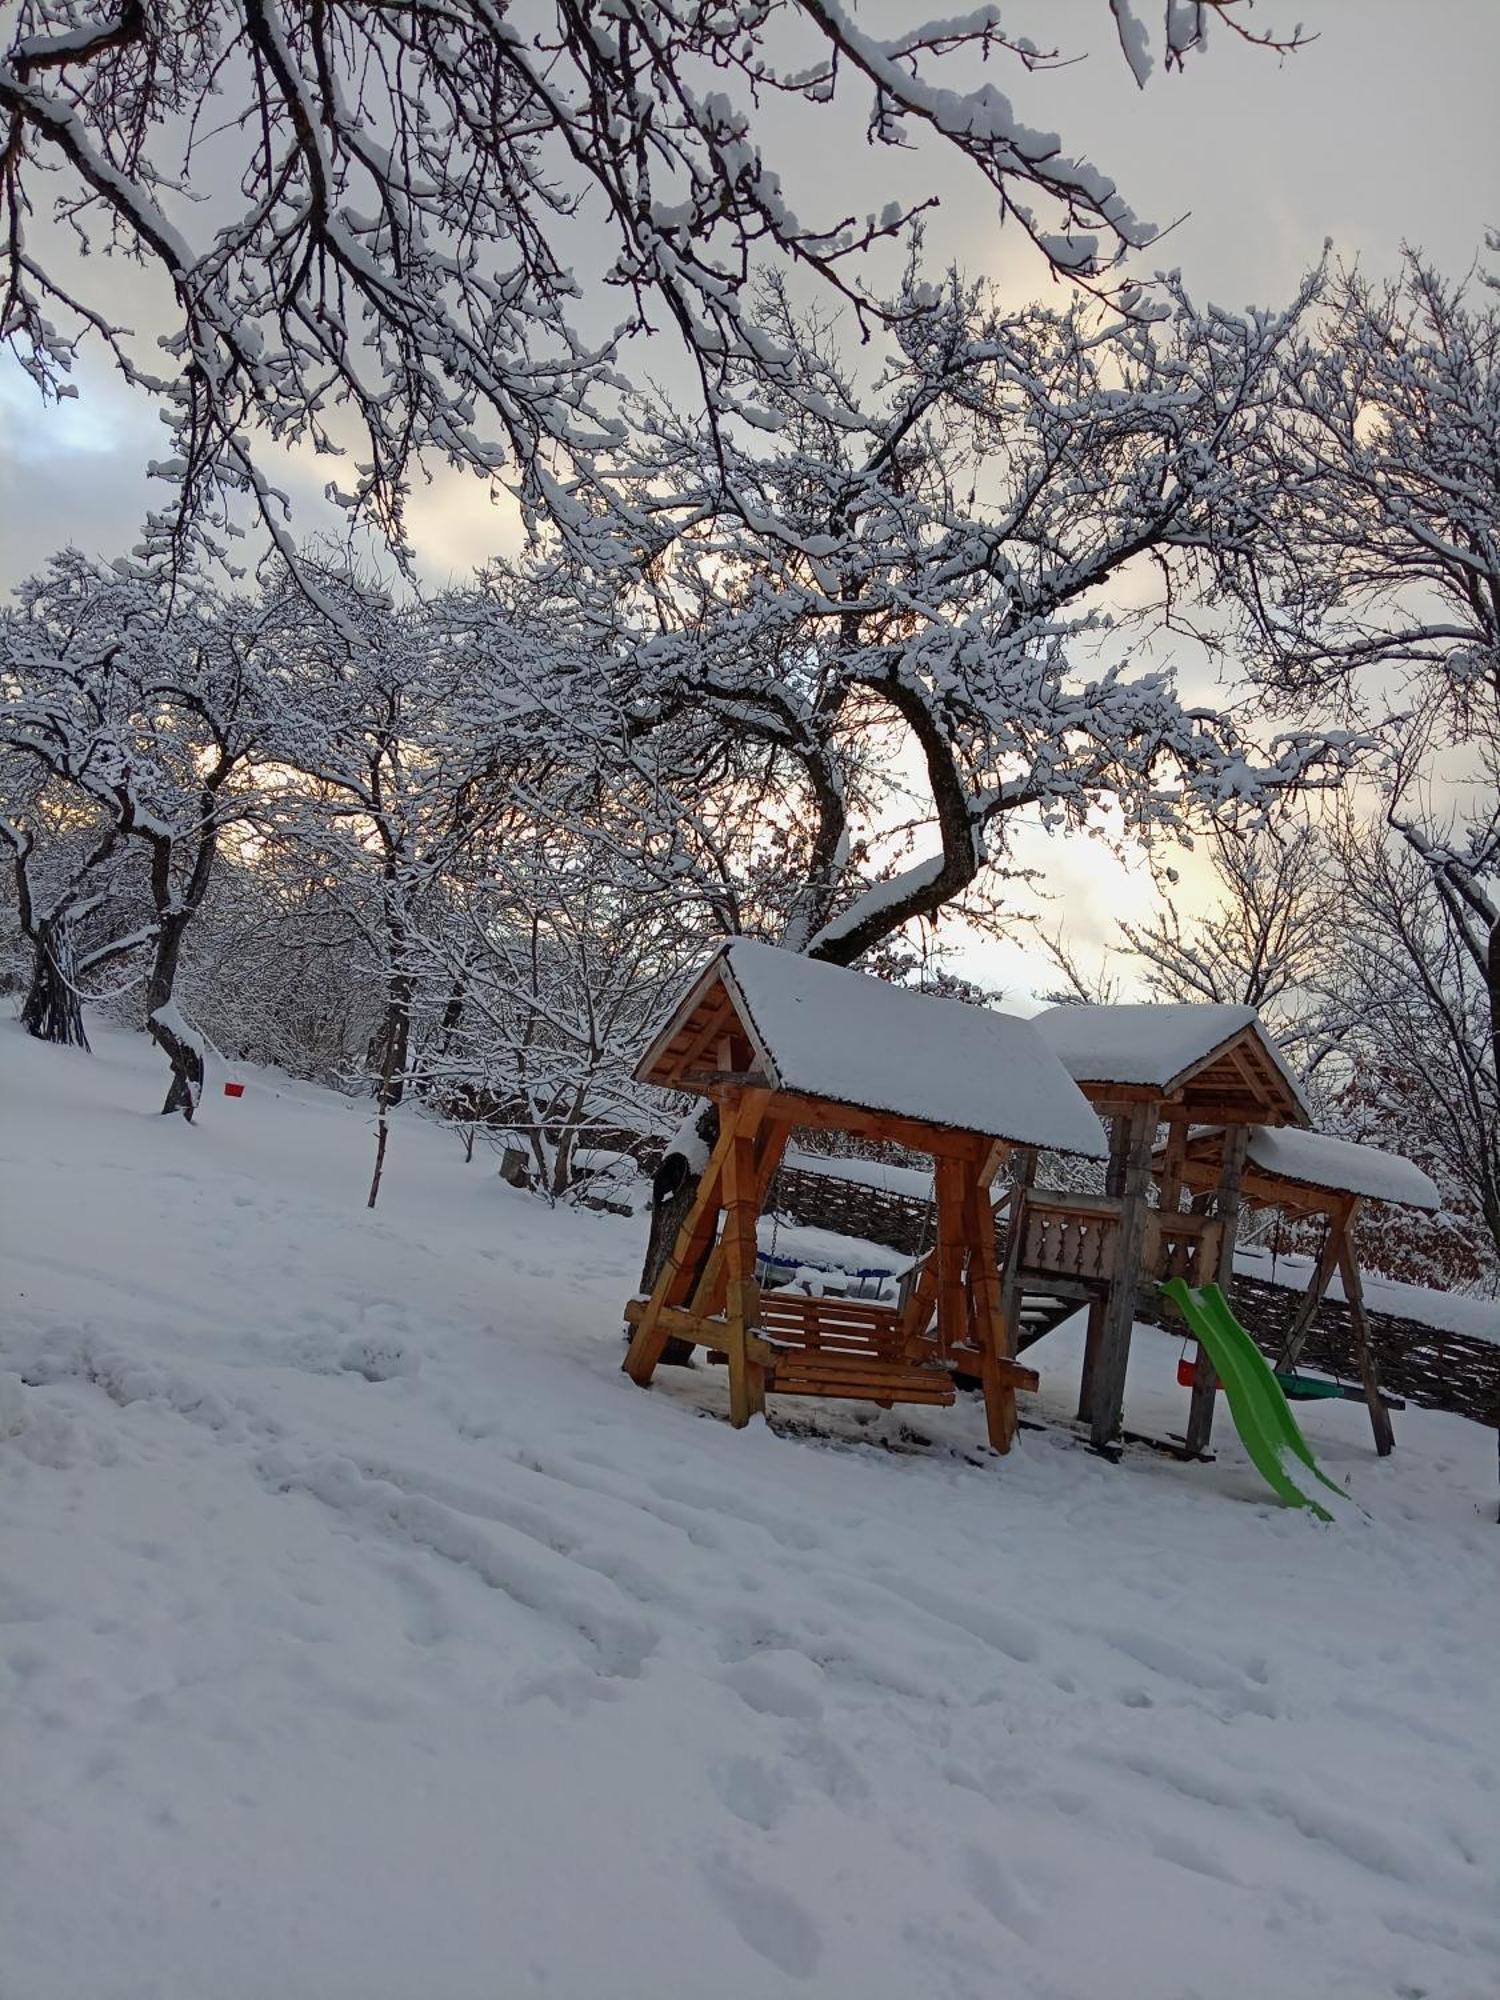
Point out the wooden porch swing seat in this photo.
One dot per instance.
(781, 1042)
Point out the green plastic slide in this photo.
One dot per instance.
(1261, 1415)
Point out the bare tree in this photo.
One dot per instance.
(76, 904)
(1377, 586)
(400, 258)
(1416, 1068)
(143, 703)
(1265, 941)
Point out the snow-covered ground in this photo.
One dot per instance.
(365, 1635)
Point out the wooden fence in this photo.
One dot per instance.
(822, 1201)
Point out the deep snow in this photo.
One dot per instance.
(366, 1635)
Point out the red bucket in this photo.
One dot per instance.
(234, 1090)
(1187, 1371)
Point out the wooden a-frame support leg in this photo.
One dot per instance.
(1359, 1329)
(676, 1280)
(770, 1145)
(990, 1326)
(1312, 1298)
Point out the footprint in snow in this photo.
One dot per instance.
(753, 1791)
(772, 1922)
(781, 1683)
(995, 1889)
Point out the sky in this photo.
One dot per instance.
(1381, 132)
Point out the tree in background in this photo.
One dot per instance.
(1265, 940)
(439, 209)
(143, 704)
(924, 570)
(1376, 589)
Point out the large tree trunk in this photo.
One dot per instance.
(391, 1041)
(166, 1026)
(53, 1011)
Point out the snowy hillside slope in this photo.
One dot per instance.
(364, 1635)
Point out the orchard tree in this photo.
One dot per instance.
(917, 576)
(77, 902)
(431, 204)
(1376, 588)
(145, 704)
(926, 568)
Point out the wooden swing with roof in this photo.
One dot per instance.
(779, 1042)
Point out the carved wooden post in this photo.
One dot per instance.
(1200, 1421)
(1130, 1166)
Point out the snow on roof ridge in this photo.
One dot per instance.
(1320, 1159)
(1150, 1042)
(833, 1032)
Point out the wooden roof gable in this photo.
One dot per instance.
(1215, 1063)
(754, 1014)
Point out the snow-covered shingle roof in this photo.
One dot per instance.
(826, 1032)
(1313, 1159)
(1153, 1045)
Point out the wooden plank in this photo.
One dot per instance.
(834, 1392)
(1200, 1421)
(830, 1309)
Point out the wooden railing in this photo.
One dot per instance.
(1075, 1237)
(1069, 1236)
(1181, 1246)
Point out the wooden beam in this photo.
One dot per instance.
(952, 1307)
(1169, 1186)
(1200, 1421)
(697, 1329)
(820, 1114)
(1130, 1175)
(989, 1321)
(747, 1379)
(770, 1145)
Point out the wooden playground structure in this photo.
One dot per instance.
(782, 1043)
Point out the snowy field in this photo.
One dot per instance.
(366, 1636)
